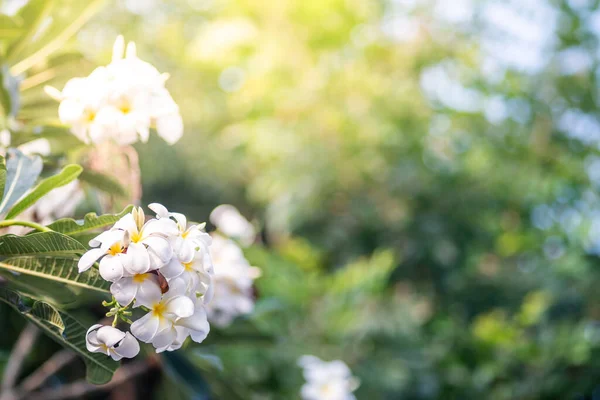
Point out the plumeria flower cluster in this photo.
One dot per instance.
(326, 380)
(162, 266)
(119, 102)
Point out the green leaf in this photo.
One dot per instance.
(47, 243)
(62, 28)
(10, 97)
(57, 293)
(103, 182)
(32, 16)
(9, 29)
(2, 175)
(58, 269)
(63, 328)
(67, 175)
(21, 173)
(69, 226)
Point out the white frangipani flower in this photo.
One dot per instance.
(112, 342)
(174, 309)
(131, 247)
(144, 288)
(141, 258)
(108, 247)
(326, 380)
(190, 240)
(148, 246)
(233, 281)
(230, 222)
(120, 102)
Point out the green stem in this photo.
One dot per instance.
(12, 222)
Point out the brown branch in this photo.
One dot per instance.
(49, 368)
(82, 388)
(13, 367)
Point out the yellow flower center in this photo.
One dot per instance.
(158, 310)
(188, 266)
(136, 237)
(115, 249)
(139, 278)
(185, 234)
(90, 115)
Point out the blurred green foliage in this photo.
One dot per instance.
(427, 183)
(428, 207)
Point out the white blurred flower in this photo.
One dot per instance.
(326, 380)
(229, 221)
(112, 342)
(233, 280)
(120, 102)
(37, 146)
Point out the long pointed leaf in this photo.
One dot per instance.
(67, 175)
(2, 176)
(21, 173)
(61, 30)
(69, 226)
(34, 13)
(57, 269)
(63, 328)
(46, 243)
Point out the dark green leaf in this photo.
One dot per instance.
(58, 269)
(63, 328)
(69, 226)
(67, 175)
(46, 243)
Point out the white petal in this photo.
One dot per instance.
(197, 323)
(181, 220)
(111, 268)
(170, 128)
(88, 259)
(186, 251)
(91, 338)
(128, 347)
(106, 239)
(172, 269)
(127, 223)
(148, 293)
(180, 306)
(109, 335)
(124, 290)
(160, 247)
(177, 287)
(145, 328)
(160, 210)
(118, 48)
(139, 258)
(162, 227)
(165, 338)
